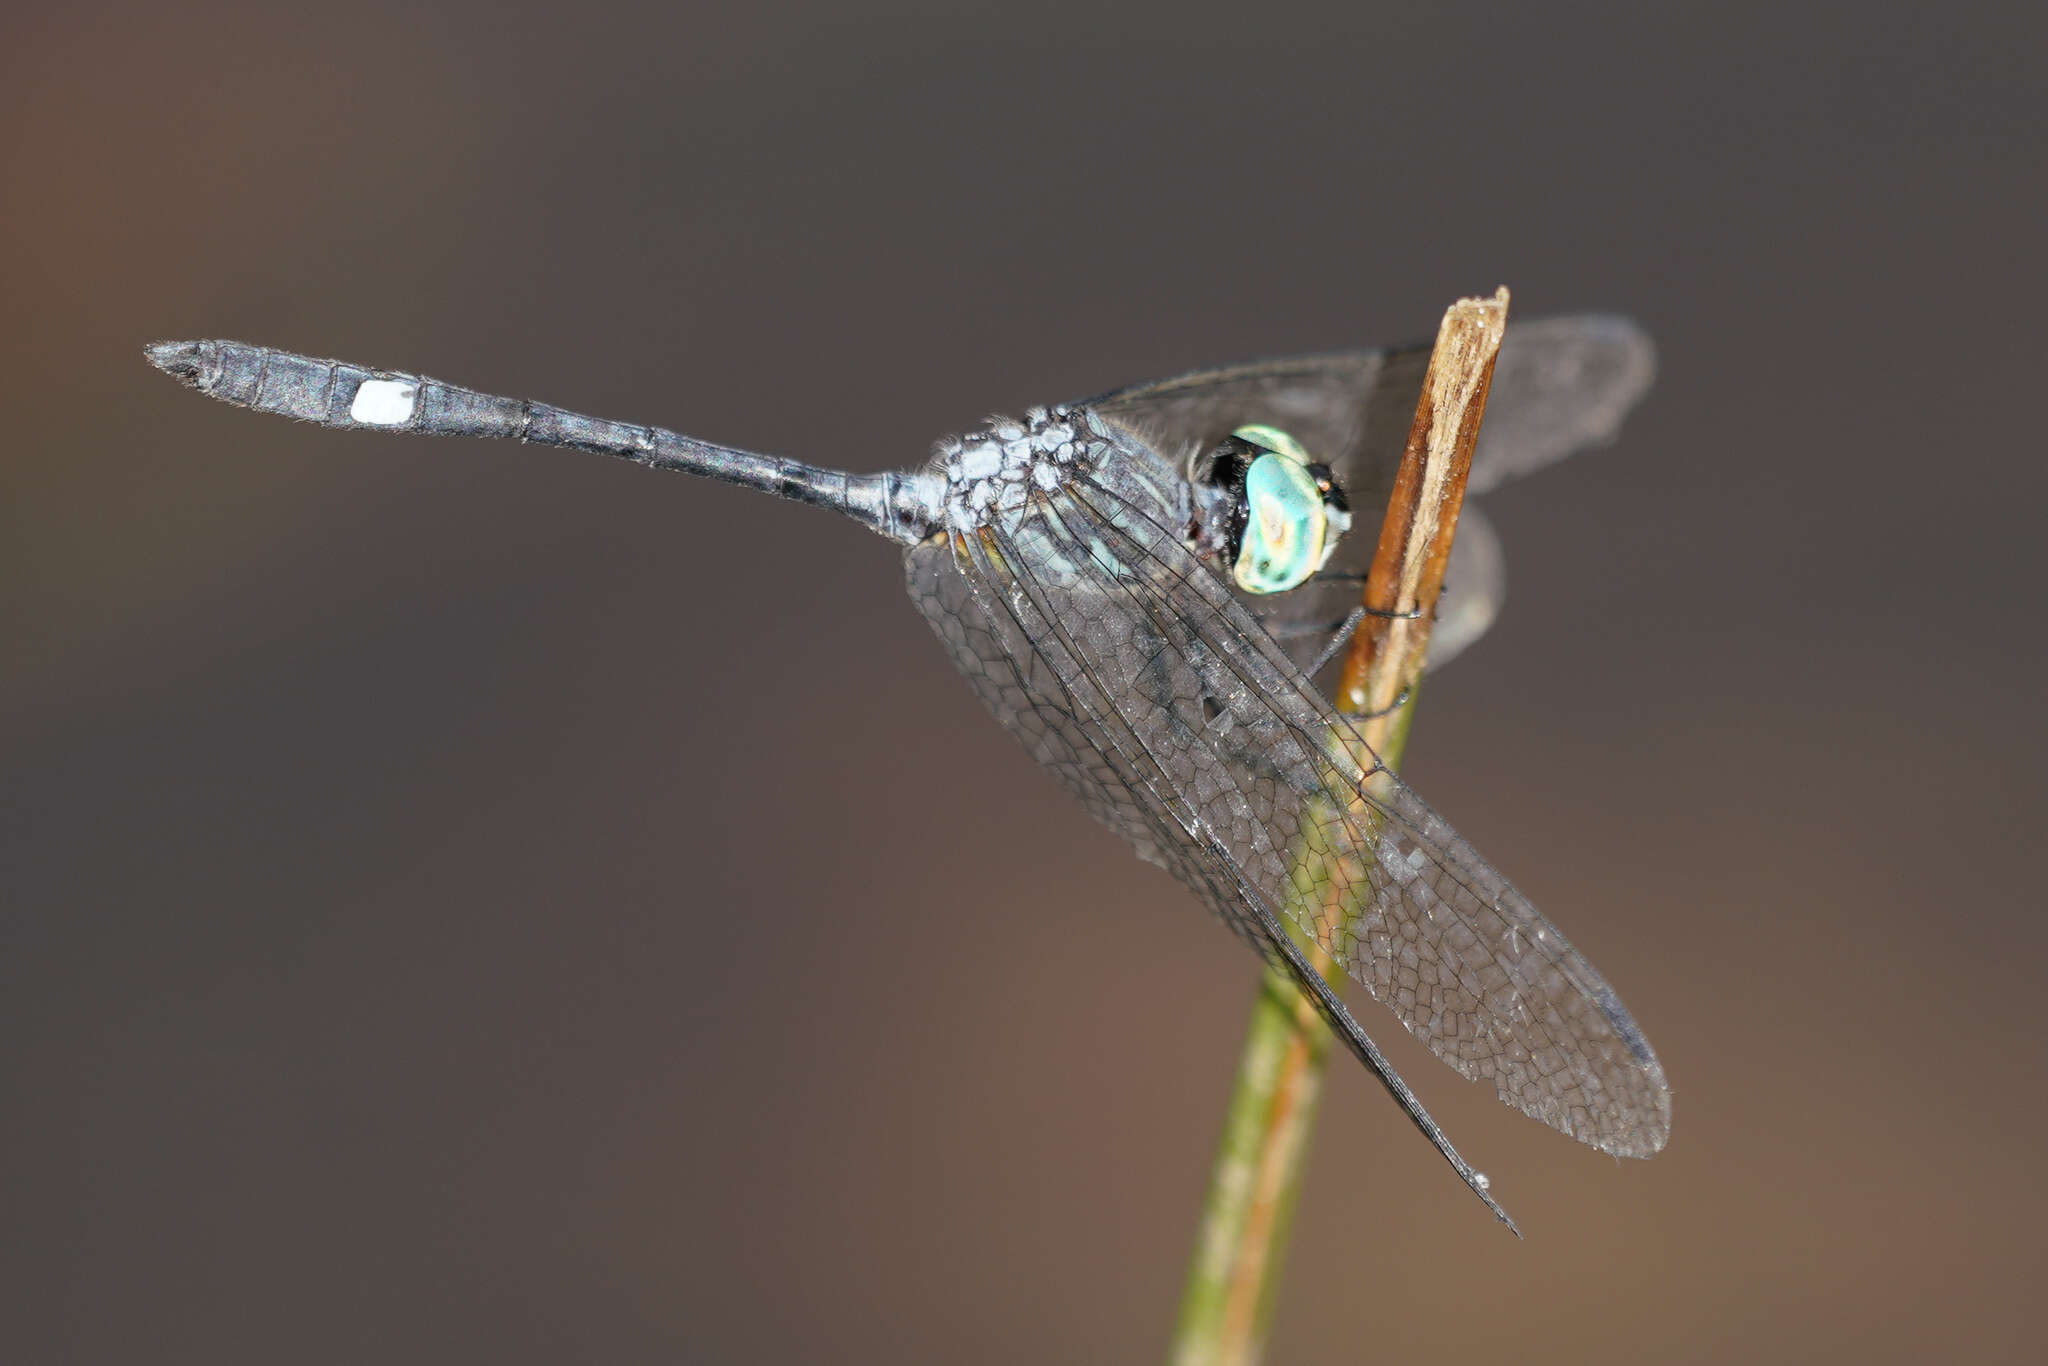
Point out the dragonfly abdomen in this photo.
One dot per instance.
(332, 393)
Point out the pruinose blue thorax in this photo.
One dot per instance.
(995, 471)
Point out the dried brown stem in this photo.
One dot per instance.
(1422, 514)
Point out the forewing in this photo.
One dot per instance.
(1559, 385)
(1350, 409)
(1001, 624)
(1203, 745)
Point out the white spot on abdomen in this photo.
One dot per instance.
(384, 402)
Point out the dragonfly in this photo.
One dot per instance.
(1144, 588)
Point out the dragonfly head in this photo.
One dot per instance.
(1284, 511)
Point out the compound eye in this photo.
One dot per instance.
(1292, 518)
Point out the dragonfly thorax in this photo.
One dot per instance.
(996, 470)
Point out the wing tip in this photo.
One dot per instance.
(1644, 1133)
(1619, 345)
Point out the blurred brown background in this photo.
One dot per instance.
(465, 903)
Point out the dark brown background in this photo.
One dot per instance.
(467, 903)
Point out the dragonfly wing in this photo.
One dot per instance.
(1560, 385)
(1134, 673)
(1350, 409)
(1004, 628)
(1475, 585)
(1021, 683)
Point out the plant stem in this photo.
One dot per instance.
(1253, 1189)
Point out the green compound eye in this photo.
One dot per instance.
(1292, 518)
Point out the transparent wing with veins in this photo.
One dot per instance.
(1559, 386)
(1140, 680)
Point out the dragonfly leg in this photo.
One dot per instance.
(1349, 576)
(1344, 632)
(1399, 702)
(1337, 642)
